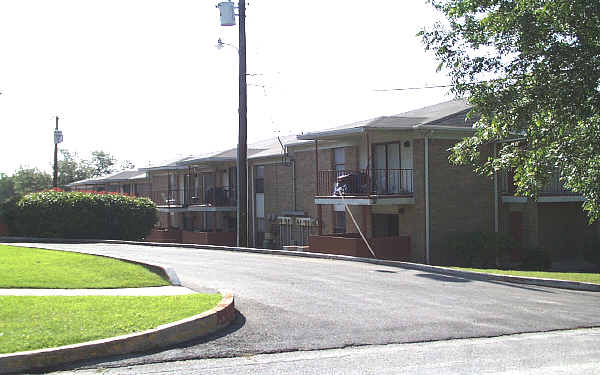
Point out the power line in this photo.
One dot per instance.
(414, 88)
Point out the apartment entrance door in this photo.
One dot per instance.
(385, 225)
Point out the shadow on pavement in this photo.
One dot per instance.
(238, 323)
(520, 286)
(449, 279)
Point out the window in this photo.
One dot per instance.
(339, 222)
(392, 168)
(259, 179)
(339, 159)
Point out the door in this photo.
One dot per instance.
(385, 225)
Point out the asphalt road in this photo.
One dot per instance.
(288, 304)
(530, 353)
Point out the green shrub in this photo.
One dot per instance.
(8, 213)
(84, 215)
(536, 260)
(478, 249)
(591, 250)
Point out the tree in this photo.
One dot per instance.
(127, 164)
(71, 168)
(7, 187)
(27, 180)
(102, 163)
(531, 70)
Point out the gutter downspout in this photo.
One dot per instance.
(253, 200)
(496, 209)
(427, 219)
(293, 161)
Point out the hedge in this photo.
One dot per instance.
(60, 214)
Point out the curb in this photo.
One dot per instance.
(165, 335)
(552, 283)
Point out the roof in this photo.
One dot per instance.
(120, 176)
(450, 114)
(264, 148)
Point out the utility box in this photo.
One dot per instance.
(226, 11)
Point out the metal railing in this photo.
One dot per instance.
(553, 186)
(219, 197)
(365, 182)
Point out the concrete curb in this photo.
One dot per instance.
(562, 284)
(163, 336)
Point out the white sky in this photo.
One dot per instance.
(142, 79)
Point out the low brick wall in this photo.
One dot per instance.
(3, 229)
(389, 248)
(209, 238)
(170, 236)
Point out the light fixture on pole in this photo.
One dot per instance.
(227, 15)
(58, 138)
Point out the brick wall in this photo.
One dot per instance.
(306, 184)
(460, 200)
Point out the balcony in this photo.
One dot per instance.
(200, 200)
(553, 191)
(365, 187)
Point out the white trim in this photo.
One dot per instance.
(199, 208)
(544, 199)
(366, 201)
(561, 198)
(513, 199)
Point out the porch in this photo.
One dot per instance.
(365, 186)
(552, 191)
(182, 198)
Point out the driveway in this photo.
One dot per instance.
(289, 304)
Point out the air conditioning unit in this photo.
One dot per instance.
(284, 220)
(303, 221)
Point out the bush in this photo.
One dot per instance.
(536, 260)
(591, 251)
(62, 214)
(8, 213)
(478, 249)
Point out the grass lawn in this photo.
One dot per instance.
(28, 323)
(581, 277)
(23, 267)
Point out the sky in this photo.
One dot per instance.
(144, 81)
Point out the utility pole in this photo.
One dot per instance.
(242, 160)
(57, 140)
(226, 9)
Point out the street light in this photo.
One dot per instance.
(227, 16)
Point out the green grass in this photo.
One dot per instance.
(23, 267)
(581, 277)
(28, 323)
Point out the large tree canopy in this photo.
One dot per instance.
(531, 69)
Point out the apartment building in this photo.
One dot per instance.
(133, 182)
(381, 187)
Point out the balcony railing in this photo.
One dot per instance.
(365, 182)
(219, 197)
(552, 187)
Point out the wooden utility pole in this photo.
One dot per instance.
(56, 141)
(242, 157)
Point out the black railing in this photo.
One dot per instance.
(553, 186)
(365, 182)
(219, 196)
